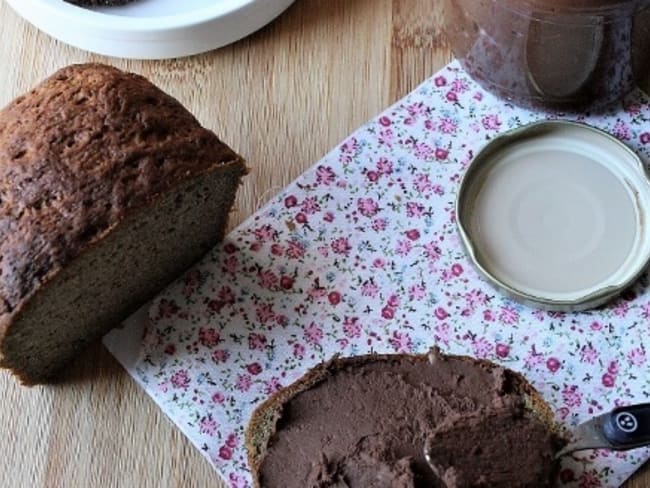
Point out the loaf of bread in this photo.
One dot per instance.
(366, 421)
(109, 189)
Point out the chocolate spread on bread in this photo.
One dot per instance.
(365, 423)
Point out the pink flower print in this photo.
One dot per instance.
(298, 351)
(313, 334)
(232, 440)
(571, 396)
(220, 356)
(256, 342)
(636, 357)
(613, 368)
(508, 315)
(401, 342)
(608, 380)
(457, 270)
(621, 309)
(282, 320)
(384, 121)
(416, 109)
(379, 225)
(388, 313)
(447, 126)
(432, 251)
(225, 453)
(295, 249)
(267, 279)
(218, 398)
(474, 298)
(417, 292)
(231, 264)
(502, 350)
(286, 282)
(301, 218)
(264, 233)
(367, 207)
(553, 364)
(386, 137)
(459, 85)
(265, 313)
(209, 337)
(334, 297)
(424, 152)
(563, 412)
(310, 206)
(589, 479)
(351, 327)
(316, 292)
(596, 326)
(393, 301)
(372, 176)
(414, 209)
(180, 379)
(413, 234)
(588, 354)
(481, 347)
(645, 138)
(348, 149)
(491, 122)
(622, 131)
(369, 289)
(645, 311)
(451, 97)
(328, 217)
(277, 250)
(272, 386)
(341, 246)
(441, 154)
(208, 425)
(243, 382)
(533, 359)
(443, 332)
(441, 313)
(290, 201)
(379, 263)
(226, 295)
(478, 96)
(384, 166)
(488, 315)
(167, 308)
(237, 481)
(403, 247)
(440, 81)
(325, 175)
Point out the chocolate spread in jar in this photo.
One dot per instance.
(571, 54)
(366, 424)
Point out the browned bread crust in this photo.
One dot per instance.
(263, 421)
(84, 151)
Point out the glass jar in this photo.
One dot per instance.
(566, 54)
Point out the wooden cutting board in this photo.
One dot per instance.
(282, 98)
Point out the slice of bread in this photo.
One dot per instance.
(109, 189)
(268, 416)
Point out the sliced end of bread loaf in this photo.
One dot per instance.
(109, 188)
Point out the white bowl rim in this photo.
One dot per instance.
(101, 20)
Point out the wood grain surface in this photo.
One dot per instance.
(282, 98)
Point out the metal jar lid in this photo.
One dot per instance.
(556, 215)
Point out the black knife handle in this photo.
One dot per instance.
(628, 427)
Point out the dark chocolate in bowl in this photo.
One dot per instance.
(551, 53)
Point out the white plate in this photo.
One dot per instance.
(151, 29)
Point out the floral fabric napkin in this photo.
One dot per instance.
(361, 254)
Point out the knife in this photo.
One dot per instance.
(622, 429)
